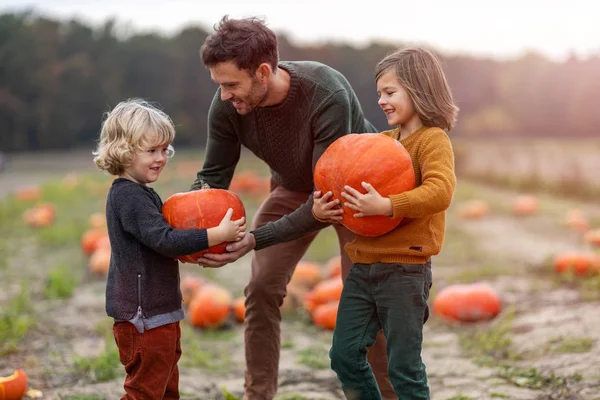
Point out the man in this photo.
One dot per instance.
(286, 113)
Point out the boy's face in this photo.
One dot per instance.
(147, 164)
(245, 92)
(395, 101)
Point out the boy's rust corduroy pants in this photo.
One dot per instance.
(150, 360)
(272, 269)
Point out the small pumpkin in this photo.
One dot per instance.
(325, 315)
(99, 261)
(324, 292)
(203, 208)
(239, 309)
(368, 157)
(578, 263)
(40, 216)
(211, 307)
(526, 205)
(467, 302)
(91, 239)
(13, 387)
(190, 286)
(474, 209)
(306, 274)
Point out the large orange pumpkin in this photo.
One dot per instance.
(202, 209)
(467, 302)
(13, 387)
(368, 157)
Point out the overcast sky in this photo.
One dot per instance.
(499, 29)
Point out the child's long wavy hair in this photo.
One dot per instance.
(132, 126)
(420, 73)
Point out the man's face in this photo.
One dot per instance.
(245, 92)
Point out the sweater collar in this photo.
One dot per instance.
(409, 139)
(293, 90)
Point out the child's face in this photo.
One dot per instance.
(147, 164)
(395, 101)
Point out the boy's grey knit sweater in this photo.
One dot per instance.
(290, 137)
(143, 270)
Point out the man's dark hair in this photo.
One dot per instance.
(248, 42)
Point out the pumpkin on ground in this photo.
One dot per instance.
(239, 309)
(325, 315)
(368, 157)
(526, 205)
(40, 216)
(13, 387)
(203, 208)
(92, 238)
(325, 292)
(580, 264)
(211, 307)
(467, 302)
(99, 261)
(473, 209)
(306, 274)
(190, 286)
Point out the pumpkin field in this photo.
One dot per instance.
(515, 302)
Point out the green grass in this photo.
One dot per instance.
(532, 378)
(209, 349)
(490, 341)
(572, 345)
(15, 321)
(60, 283)
(315, 357)
(104, 367)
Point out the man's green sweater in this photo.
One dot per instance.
(290, 137)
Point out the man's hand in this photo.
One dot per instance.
(235, 251)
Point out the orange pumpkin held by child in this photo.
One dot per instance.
(203, 208)
(367, 157)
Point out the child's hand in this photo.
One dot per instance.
(370, 203)
(324, 209)
(232, 231)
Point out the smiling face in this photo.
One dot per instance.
(245, 92)
(147, 164)
(396, 103)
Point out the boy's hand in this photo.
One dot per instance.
(324, 209)
(232, 230)
(370, 203)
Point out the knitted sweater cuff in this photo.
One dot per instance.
(400, 205)
(264, 236)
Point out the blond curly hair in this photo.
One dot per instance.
(134, 125)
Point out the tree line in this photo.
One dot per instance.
(57, 78)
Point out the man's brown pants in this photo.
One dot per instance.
(272, 269)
